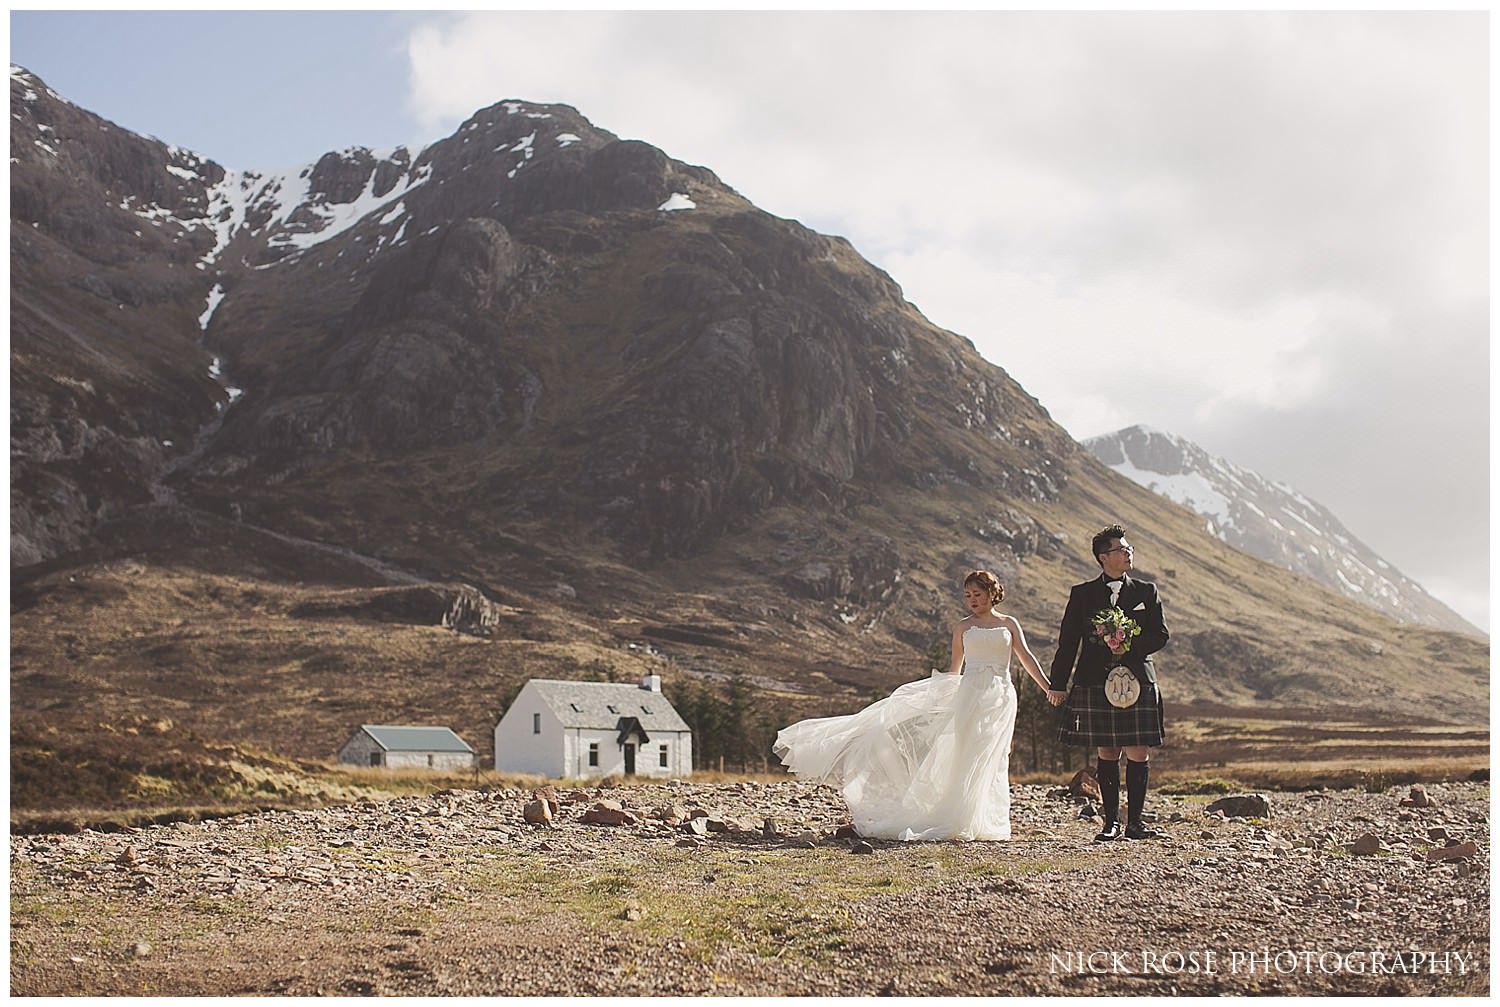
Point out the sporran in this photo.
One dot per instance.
(1121, 687)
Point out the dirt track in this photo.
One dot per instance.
(455, 894)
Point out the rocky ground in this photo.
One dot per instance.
(753, 889)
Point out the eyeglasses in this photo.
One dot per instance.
(1120, 548)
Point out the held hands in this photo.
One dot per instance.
(1056, 698)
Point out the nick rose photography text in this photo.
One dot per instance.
(1262, 961)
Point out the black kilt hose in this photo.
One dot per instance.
(1088, 718)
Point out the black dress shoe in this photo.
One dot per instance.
(1135, 830)
(1110, 834)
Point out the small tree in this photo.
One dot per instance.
(705, 714)
(1037, 748)
(739, 714)
(732, 725)
(938, 655)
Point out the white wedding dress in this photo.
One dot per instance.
(931, 760)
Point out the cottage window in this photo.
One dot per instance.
(536, 723)
(663, 762)
(594, 753)
(429, 762)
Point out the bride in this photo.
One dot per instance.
(931, 760)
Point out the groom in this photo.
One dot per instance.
(1124, 715)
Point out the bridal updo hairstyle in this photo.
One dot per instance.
(989, 582)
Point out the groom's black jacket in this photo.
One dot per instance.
(1139, 600)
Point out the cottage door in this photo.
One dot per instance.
(629, 759)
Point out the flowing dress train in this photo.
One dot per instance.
(931, 760)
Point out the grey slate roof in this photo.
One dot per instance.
(415, 739)
(588, 705)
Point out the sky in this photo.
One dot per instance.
(1267, 232)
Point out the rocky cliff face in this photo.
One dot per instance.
(565, 369)
(528, 280)
(1272, 521)
(107, 378)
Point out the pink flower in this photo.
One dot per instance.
(1113, 628)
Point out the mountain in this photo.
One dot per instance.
(1270, 520)
(376, 439)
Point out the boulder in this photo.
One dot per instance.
(609, 813)
(548, 796)
(1241, 806)
(1457, 851)
(471, 612)
(1417, 798)
(1085, 785)
(672, 814)
(821, 580)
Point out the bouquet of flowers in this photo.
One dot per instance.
(1114, 629)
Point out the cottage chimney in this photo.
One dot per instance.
(651, 683)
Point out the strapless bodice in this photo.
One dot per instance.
(986, 647)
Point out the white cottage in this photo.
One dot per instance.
(577, 730)
(407, 748)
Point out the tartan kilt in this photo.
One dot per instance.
(1089, 719)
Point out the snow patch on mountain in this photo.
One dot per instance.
(214, 297)
(336, 218)
(216, 371)
(1270, 520)
(1191, 489)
